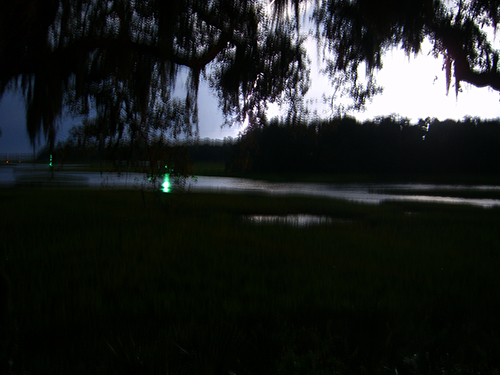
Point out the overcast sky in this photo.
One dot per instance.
(413, 87)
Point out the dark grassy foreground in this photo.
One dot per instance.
(104, 282)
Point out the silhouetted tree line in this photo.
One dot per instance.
(388, 145)
(153, 155)
(87, 143)
(212, 150)
(121, 59)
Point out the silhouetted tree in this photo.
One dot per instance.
(211, 150)
(383, 146)
(359, 32)
(122, 58)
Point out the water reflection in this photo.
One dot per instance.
(357, 192)
(373, 193)
(300, 220)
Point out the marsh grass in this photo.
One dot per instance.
(106, 282)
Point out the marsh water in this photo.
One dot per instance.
(373, 193)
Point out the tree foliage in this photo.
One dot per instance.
(360, 31)
(122, 58)
(384, 146)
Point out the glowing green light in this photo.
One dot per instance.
(50, 161)
(166, 184)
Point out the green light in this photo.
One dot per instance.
(166, 184)
(50, 161)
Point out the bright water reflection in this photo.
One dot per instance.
(358, 192)
(301, 220)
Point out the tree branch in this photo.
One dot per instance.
(463, 70)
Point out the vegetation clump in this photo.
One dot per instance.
(386, 146)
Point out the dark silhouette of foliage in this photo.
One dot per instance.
(210, 150)
(122, 59)
(360, 31)
(154, 156)
(384, 146)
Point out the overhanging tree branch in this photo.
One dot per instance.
(452, 42)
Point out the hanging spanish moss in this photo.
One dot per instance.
(120, 61)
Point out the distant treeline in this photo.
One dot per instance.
(388, 145)
(203, 150)
(86, 144)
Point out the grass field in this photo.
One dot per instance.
(120, 282)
